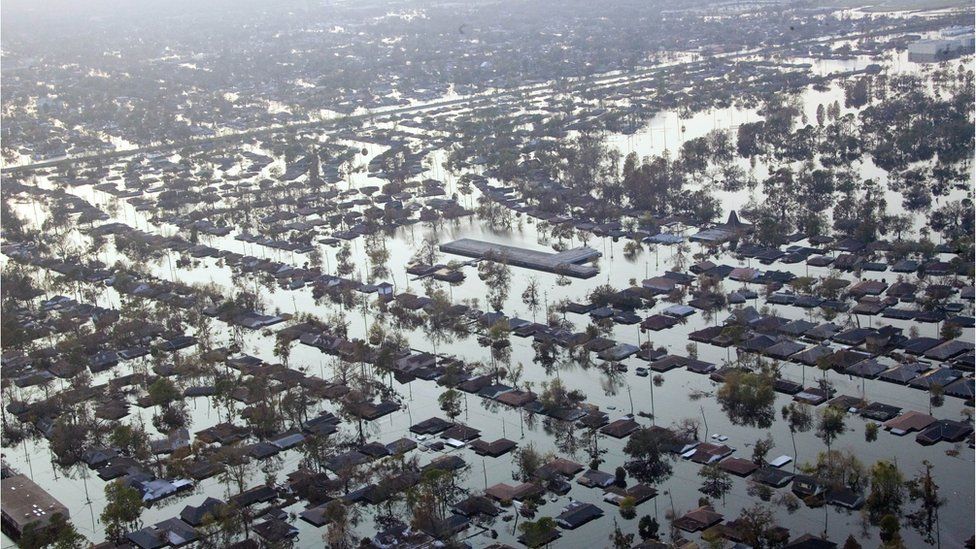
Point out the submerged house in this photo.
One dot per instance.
(577, 514)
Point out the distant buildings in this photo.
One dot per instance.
(955, 41)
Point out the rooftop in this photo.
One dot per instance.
(567, 262)
(24, 503)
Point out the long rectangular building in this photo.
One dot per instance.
(935, 51)
(23, 502)
(569, 262)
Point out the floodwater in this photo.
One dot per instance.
(618, 394)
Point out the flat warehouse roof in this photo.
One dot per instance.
(567, 262)
(25, 502)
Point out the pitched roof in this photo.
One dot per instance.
(577, 514)
(908, 422)
(738, 466)
(698, 519)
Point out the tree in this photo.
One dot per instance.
(69, 433)
(530, 297)
(538, 533)
(450, 403)
(527, 461)
(758, 527)
(936, 396)
(838, 470)
(361, 394)
(171, 417)
(500, 348)
(857, 92)
(830, 425)
(555, 395)
(890, 531)
(123, 506)
(887, 491)
(131, 440)
(430, 501)
(441, 324)
(163, 391)
(748, 397)
(799, 419)
(282, 350)
(222, 526)
(378, 255)
(58, 533)
(715, 481)
(620, 477)
(497, 276)
(650, 460)
(761, 448)
(428, 251)
(237, 468)
(954, 220)
(647, 527)
(758, 490)
(787, 501)
(950, 330)
(628, 508)
(545, 354)
(870, 432)
(687, 428)
(339, 534)
(925, 492)
(344, 264)
(621, 540)
(749, 139)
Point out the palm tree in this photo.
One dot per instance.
(799, 419)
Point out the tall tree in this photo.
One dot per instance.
(650, 459)
(123, 507)
(887, 491)
(715, 482)
(800, 420)
(450, 403)
(923, 491)
(830, 425)
(530, 297)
